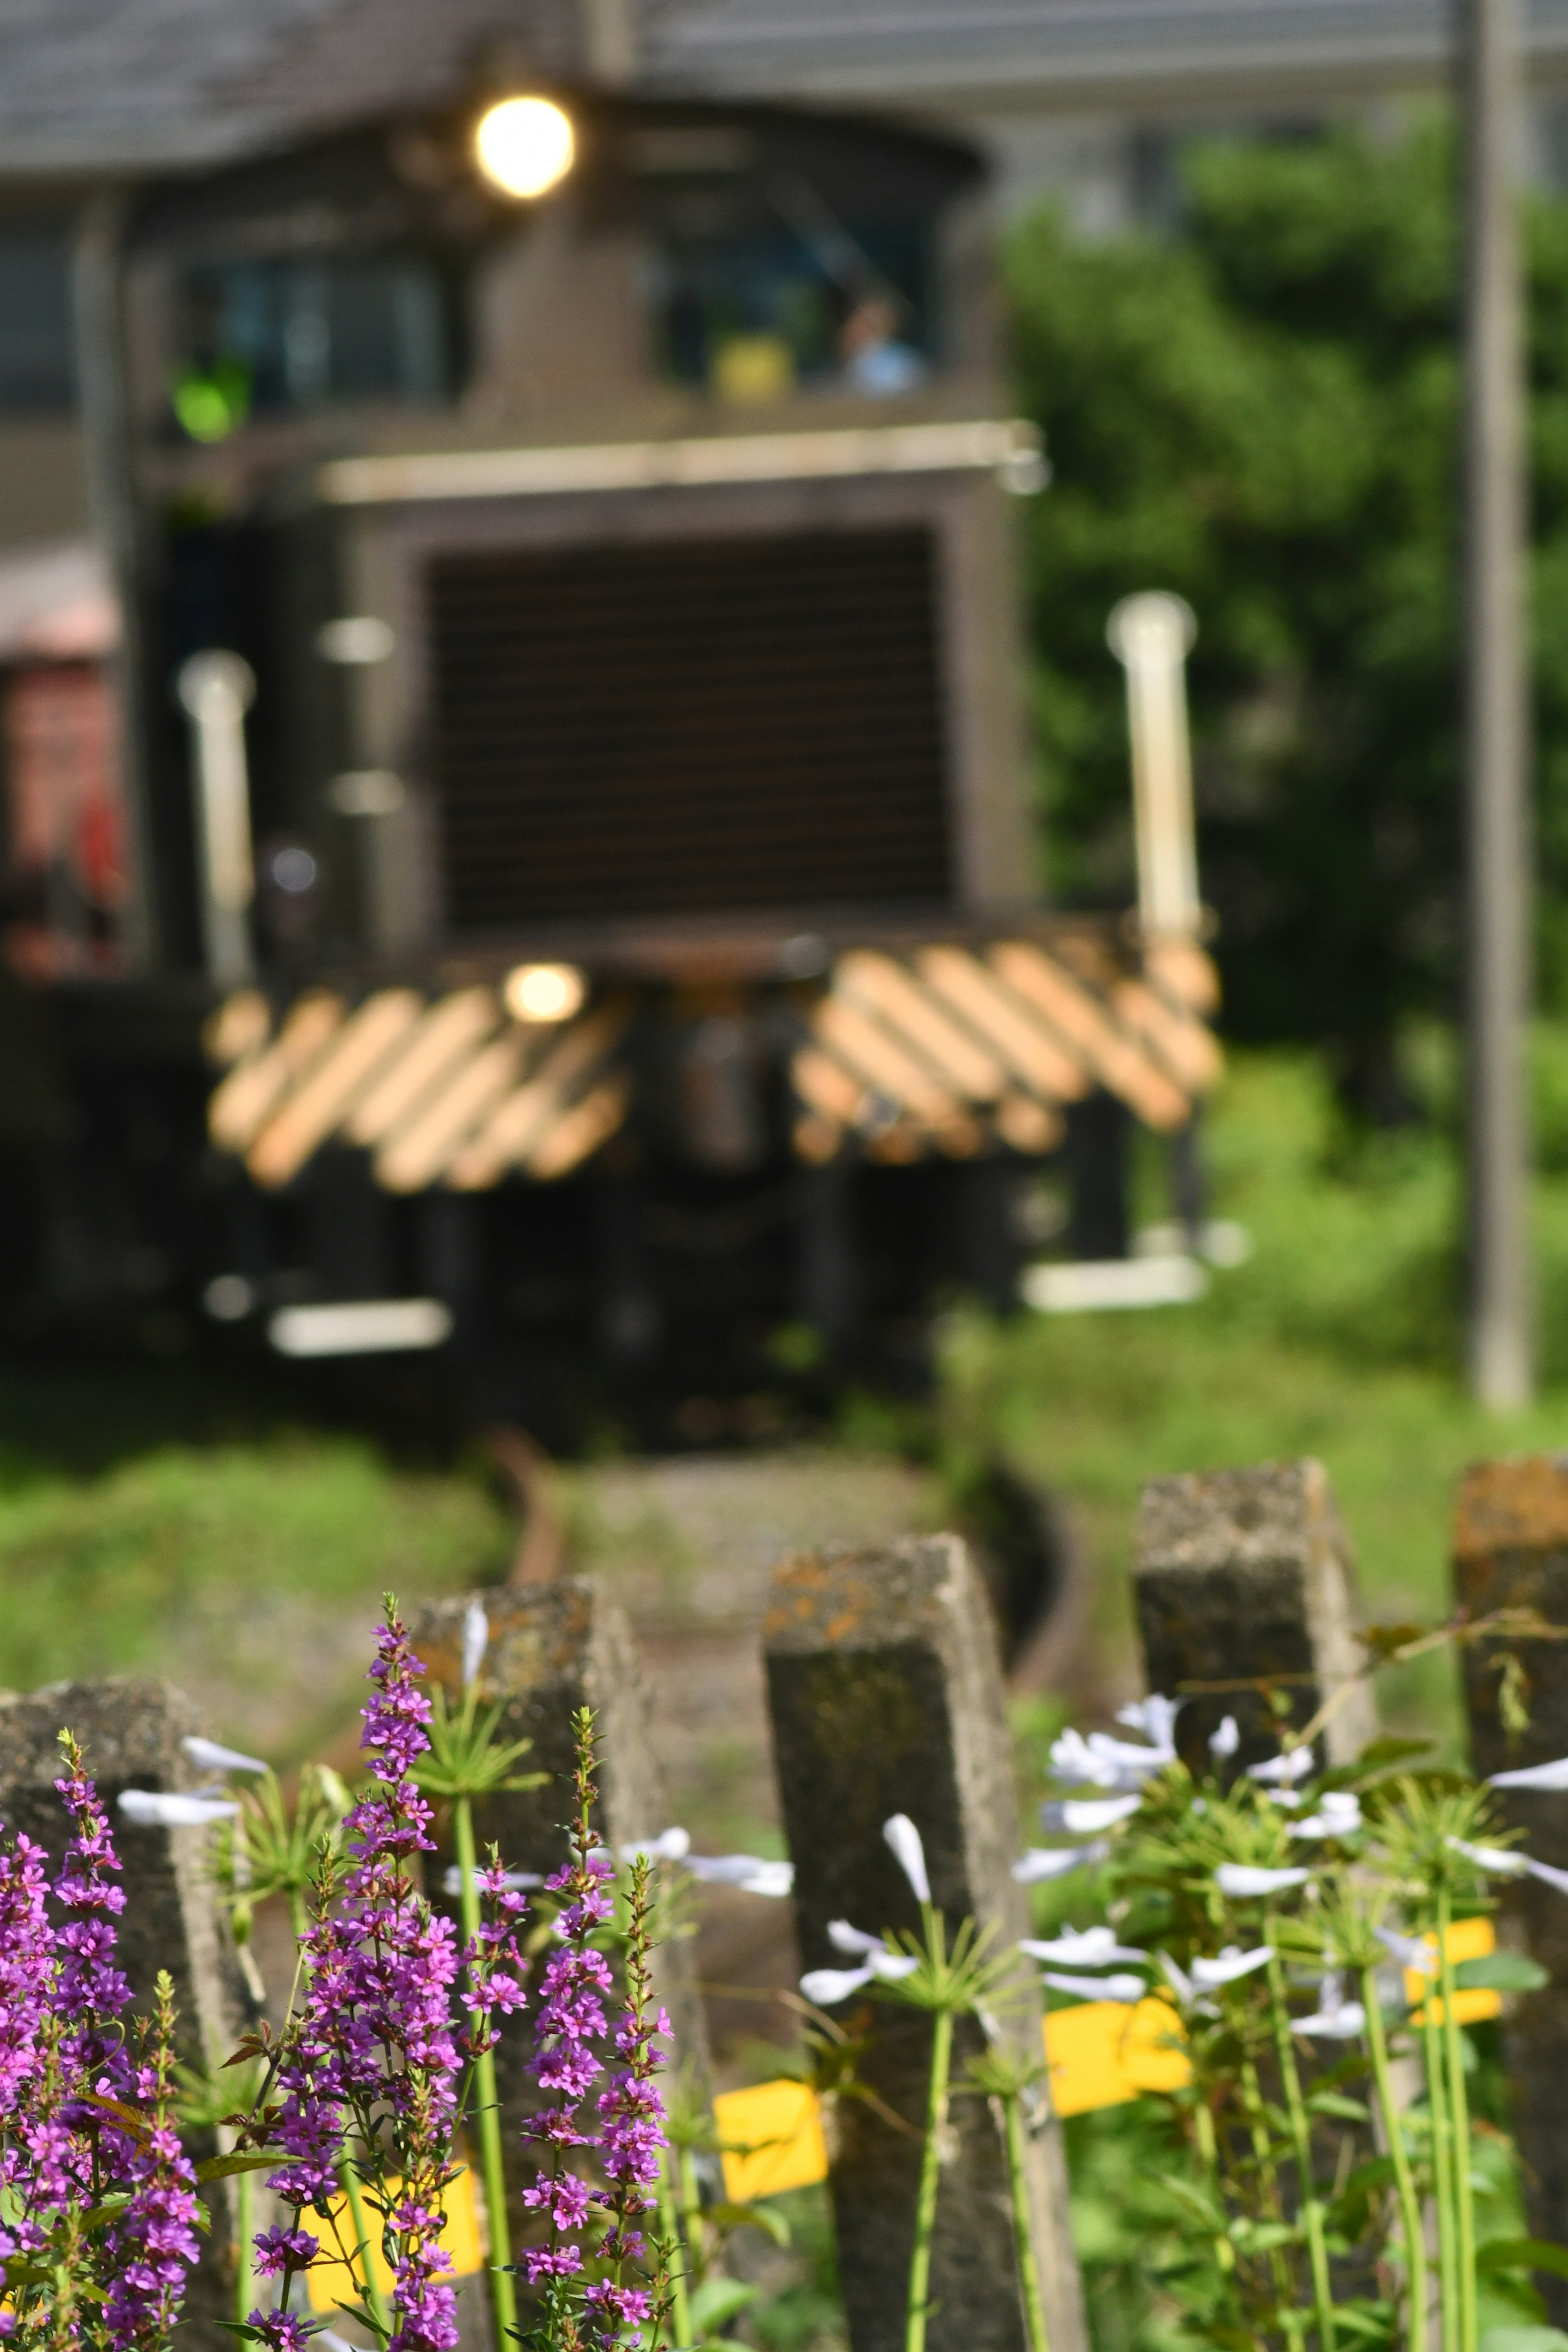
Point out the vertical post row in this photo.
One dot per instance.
(554, 1648)
(1247, 1576)
(130, 1730)
(886, 1697)
(1511, 1551)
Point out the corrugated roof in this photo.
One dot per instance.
(125, 85)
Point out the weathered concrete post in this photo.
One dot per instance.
(1243, 1576)
(886, 1697)
(1511, 1551)
(131, 1731)
(554, 1648)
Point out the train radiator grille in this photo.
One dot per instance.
(687, 726)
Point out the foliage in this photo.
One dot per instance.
(1260, 415)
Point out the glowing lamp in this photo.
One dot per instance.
(545, 991)
(525, 145)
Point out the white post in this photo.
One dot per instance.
(1150, 637)
(216, 689)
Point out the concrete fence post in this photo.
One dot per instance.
(887, 1697)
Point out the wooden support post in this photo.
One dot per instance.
(131, 1731)
(554, 1648)
(1247, 1576)
(1511, 1551)
(886, 1697)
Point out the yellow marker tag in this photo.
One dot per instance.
(1468, 1939)
(772, 2136)
(331, 2282)
(1102, 2053)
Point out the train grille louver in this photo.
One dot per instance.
(688, 725)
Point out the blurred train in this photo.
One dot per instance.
(523, 864)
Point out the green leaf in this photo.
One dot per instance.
(754, 2217)
(1523, 2254)
(261, 2159)
(1334, 2102)
(717, 2300)
(1501, 1972)
(1523, 2339)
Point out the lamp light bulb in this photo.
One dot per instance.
(525, 145)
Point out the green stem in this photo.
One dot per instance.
(695, 2228)
(1460, 2117)
(373, 2297)
(503, 2293)
(1301, 2139)
(680, 2288)
(1403, 2179)
(245, 2252)
(1018, 2182)
(931, 2161)
(1442, 2171)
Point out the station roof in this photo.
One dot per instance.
(94, 87)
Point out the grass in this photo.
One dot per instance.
(1339, 1337)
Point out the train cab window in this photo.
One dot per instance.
(278, 334)
(809, 302)
(38, 344)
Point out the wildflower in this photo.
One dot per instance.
(1042, 1862)
(1125, 1988)
(747, 1872)
(1107, 1763)
(476, 1641)
(1224, 1742)
(1410, 1952)
(1086, 1816)
(1093, 1947)
(670, 1845)
(1231, 1964)
(1335, 2018)
(170, 1809)
(631, 2137)
(154, 2242)
(1338, 1815)
(509, 1882)
(1154, 1716)
(1533, 1776)
(1241, 1878)
(1290, 1764)
(1507, 1862)
(904, 1839)
(212, 1758)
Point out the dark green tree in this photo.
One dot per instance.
(1260, 414)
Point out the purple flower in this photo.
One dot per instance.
(278, 2247)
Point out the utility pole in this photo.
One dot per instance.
(1496, 705)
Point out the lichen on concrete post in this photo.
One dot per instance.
(554, 1648)
(131, 1731)
(1245, 1579)
(887, 1697)
(1511, 1551)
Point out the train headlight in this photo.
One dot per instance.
(525, 145)
(545, 991)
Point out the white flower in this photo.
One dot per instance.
(826, 1985)
(1155, 1717)
(1231, 1963)
(213, 1758)
(846, 1938)
(1338, 1815)
(670, 1845)
(1288, 1798)
(1410, 1952)
(1544, 1871)
(1181, 1983)
(476, 1640)
(1087, 1816)
(1292, 1764)
(1107, 1763)
(515, 1881)
(1498, 1858)
(1125, 1988)
(1242, 1878)
(1055, 1862)
(908, 1853)
(1073, 1760)
(156, 1809)
(746, 1872)
(1335, 2018)
(1092, 1947)
(1533, 1776)
(1226, 1739)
